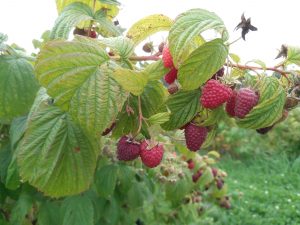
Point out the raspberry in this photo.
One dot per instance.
(194, 136)
(220, 73)
(167, 58)
(246, 99)
(127, 149)
(230, 105)
(93, 34)
(197, 175)
(191, 164)
(214, 94)
(214, 171)
(219, 184)
(151, 157)
(171, 76)
(173, 88)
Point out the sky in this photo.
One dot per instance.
(277, 21)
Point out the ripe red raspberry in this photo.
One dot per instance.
(219, 183)
(127, 149)
(197, 175)
(194, 136)
(151, 157)
(246, 99)
(214, 94)
(191, 164)
(171, 76)
(167, 57)
(230, 105)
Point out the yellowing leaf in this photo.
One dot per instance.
(148, 26)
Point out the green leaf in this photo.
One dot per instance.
(235, 57)
(64, 158)
(189, 25)
(131, 80)
(106, 179)
(258, 62)
(110, 2)
(156, 70)
(105, 26)
(177, 191)
(206, 178)
(5, 158)
(152, 99)
(293, 56)
(21, 208)
(202, 64)
(48, 214)
(17, 130)
(74, 76)
(3, 38)
(269, 108)
(159, 118)
(17, 86)
(183, 105)
(122, 46)
(211, 117)
(148, 26)
(72, 15)
(136, 195)
(111, 10)
(126, 175)
(77, 210)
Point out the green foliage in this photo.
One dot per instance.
(64, 158)
(293, 55)
(76, 76)
(269, 108)
(148, 26)
(17, 87)
(77, 210)
(99, 87)
(189, 25)
(202, 64)
(183, 106)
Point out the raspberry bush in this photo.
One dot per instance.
(94, 132)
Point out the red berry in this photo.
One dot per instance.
(171, 76)
(264, 130)
(246, 99)
(127, 149)
(167, 58)
(214, 171)
(151, 157)
(197, 175)
(194, 136)
(191, 164)
(230, 105)
(173, 88)
(93, 34)
(220, 184)
(214, 94)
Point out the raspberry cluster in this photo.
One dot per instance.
(129, 149)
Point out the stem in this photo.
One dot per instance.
(245, 67)
(140, 116)
(234, 41)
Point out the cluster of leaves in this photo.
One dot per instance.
(54, 109)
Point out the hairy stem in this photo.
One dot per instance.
(140, 116)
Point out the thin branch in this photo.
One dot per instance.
(140, 116)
